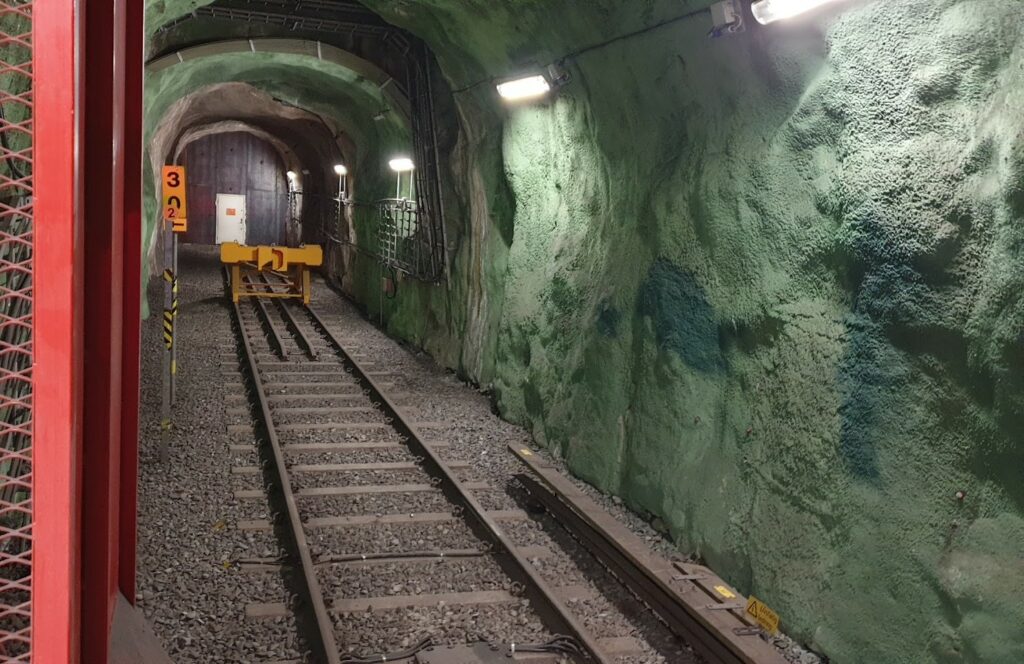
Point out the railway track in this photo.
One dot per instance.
(395, 551)
(365, 508)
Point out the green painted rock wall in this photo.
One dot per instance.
(768, 288)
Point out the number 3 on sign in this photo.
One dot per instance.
(175, 205)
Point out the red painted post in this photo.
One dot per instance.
(103, 141)
(132, 283)
(57, 330)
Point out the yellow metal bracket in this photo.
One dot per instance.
(291, 263)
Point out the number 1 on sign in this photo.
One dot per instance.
(175, 205)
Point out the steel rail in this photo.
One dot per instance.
(703, 620)
(276, 342)
(325, 627)
(301, 338)
(544, 600)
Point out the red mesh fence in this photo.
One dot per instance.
(15, 329)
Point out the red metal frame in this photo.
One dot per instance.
(103, 140)
(57, 335)
(88, 207)
(132, 285)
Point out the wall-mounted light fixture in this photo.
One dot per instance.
(727, 16)
(769, 11)
(293, 180)
(533, 85)
(342, 171)
(402, 165)
(529, 87)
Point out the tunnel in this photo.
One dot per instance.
(722, 300)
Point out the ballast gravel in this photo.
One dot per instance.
(190, 587)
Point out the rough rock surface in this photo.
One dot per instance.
(768, 288)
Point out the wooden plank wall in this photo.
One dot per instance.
(236, 163)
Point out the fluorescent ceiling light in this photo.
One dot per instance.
(524, 88)
(402, 165)
(340, 169)
(769, 11)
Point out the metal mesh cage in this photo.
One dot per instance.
(399, 242)
(15, 329)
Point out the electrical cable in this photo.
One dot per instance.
(608, 42)
(561, 644)
(388, 657)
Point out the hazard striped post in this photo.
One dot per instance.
(175, 220)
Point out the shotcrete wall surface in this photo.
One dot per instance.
(767, 288)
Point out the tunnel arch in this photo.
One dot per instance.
(195, 133)
(318, 92)
(299, 47)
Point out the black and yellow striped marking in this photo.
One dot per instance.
(174, 300)
(169, 328)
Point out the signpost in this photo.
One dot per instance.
(175, 220)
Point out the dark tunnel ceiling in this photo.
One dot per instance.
(345, 24)
(314, 15)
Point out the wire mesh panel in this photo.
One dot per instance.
(15, 329)
(400, 243)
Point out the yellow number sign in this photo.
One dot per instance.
(175, 203)
(765, 617)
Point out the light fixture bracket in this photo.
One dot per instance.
(726, 18)
(558, 75)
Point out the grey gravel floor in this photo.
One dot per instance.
(190, 587)
(194, 590)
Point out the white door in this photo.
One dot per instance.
(230, 218)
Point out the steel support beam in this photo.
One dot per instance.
(131, 284)
(103, 99)
(57, 330)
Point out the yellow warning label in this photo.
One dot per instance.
(725, 592)
(765, 617)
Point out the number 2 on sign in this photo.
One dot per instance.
(175, 207)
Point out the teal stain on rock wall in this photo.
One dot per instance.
(684, 321)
